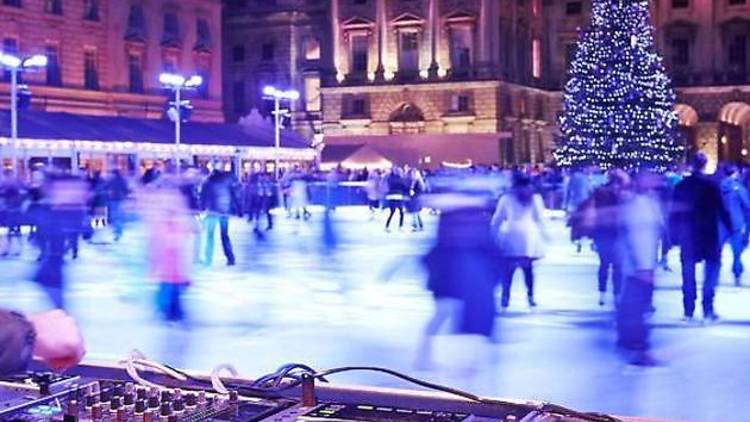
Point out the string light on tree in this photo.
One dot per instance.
(618, 106)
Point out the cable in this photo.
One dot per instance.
(293, 373)
(216, 380)
(136, 357)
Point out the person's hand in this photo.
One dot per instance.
(58, 340)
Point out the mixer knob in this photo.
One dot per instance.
(119, 390)
(178, 405)
(96, 412)
(153, 402)
(105, 395)
(128, 399)
(140, 393)
(166, 395)
(191, 399)
(90, 401)
(233, 396)
(115, 403)
(166, 409)
(140, 406)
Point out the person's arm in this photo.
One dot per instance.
(17, 339)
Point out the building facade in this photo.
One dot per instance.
(104, 56)
(390, 72)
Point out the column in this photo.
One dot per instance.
(293, 57)
(336, 37)
(434, 28)
(380, 23)
(484, 13)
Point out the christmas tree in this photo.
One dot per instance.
(618, 109)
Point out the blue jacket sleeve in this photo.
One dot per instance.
(16, 342)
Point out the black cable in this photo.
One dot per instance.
(285, 370)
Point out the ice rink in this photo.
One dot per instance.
(291, 299)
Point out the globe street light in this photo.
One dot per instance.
(14, 65)
(277, 95)
(177, 83)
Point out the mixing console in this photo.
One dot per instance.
(109, 394)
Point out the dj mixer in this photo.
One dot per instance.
(109, 394)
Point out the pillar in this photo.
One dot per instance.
(434, 32)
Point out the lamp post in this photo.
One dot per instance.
(15, 65)
(177, 83)
(277, 95)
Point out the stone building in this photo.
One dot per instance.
(105, 55)
(426, 75)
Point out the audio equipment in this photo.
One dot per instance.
(102, 393)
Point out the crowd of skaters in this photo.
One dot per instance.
(632, 219)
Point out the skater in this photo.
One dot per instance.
(417, 188)
(518, 224)
(606, 232)
(697, 212)
(397, 193)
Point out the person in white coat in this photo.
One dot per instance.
(518, 223)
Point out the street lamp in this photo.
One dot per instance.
(177, 83)
(14, 65)
(276, 95)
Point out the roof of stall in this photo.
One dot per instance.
(34, 124)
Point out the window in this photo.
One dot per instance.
(267, 51)
(680, 52)
(12, 3)
(54, 78)
(312, 94)
(135, 73)
(738, 51)
(136, 30)
(10, 46)
(171, 35)
(359, 107)
(536, 59)
(91, 10)
(170, 64)
(238, 53)
(737, 2)
(573, 8)
(53, 7)
(90, 77)
(408, 54)
(312, 49)
(680, 4)
(460, 45)
(460, 103)
(203, 88)
(360, 47)
(238, 97)
(202, 35)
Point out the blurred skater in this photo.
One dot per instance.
(462, 268)
(642, 226)
(63, 216)
(518, 224)
(606, 232)
(737, 203)
(165, 210)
